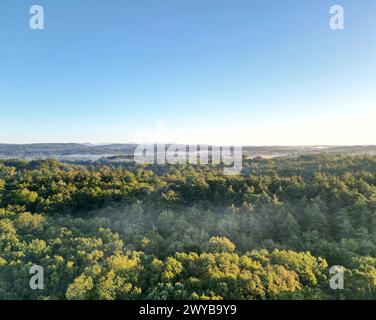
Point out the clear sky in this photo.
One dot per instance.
(251, 72)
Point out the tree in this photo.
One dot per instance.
(220, 244)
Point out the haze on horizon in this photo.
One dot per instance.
(240, 72)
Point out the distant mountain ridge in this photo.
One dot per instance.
(62, 149)
(77, 150)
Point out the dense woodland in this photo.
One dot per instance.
(121, 231)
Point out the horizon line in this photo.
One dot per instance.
(91, 144)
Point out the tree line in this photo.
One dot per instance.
(122, 231)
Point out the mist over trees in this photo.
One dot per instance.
(121, 231)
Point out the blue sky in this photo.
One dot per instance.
(265, 72)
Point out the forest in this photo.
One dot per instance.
(120, 231)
